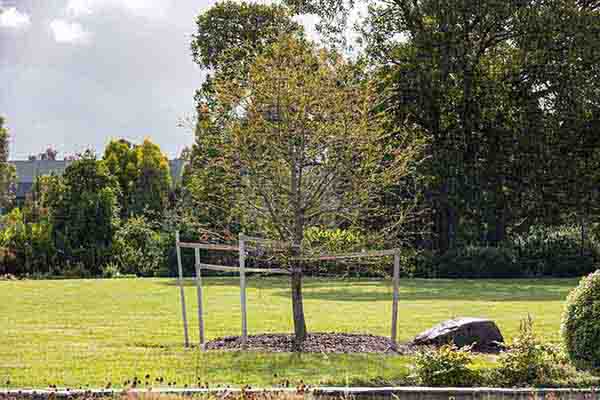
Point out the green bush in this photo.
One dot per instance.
(528, 362)
(474, 262)
(555, 251)
(138, 248)
(27, 248)
(580, 327)
(445, 366)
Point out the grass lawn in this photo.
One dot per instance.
(89, 332)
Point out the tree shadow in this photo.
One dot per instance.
(363, 290)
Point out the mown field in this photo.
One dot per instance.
(79, 333)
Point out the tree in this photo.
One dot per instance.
(7, 171)
(85, 214)
(153, 182)
(229, 36)
(48, 154)
(504, 91)
(301, 131)
(143, 175)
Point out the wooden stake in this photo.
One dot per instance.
(199, 293)
(243, 290)
(396, 281)
(181, 292)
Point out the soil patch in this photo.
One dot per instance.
(314, 343)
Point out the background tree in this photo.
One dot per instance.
(7, 171)
(229, 36)
(48, 154)
(310, 152)
(143, 174)
(86, 212)
(504, 92)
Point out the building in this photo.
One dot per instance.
(27, 171)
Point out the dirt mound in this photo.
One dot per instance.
(315, 343)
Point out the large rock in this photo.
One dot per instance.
(483, 334)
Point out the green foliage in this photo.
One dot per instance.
(580, 327)
(556, 251)
(528, 362)
(333, 240)
(472, 262)
(7, 171)
(143, 175)
(232, 33)
(86, 214)
(229, 36)
(473, 77)
(26, 248)
(138, 248)
(445, 366)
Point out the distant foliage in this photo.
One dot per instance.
(542, 251)
(26, 248)
(580, 327)
(7, 171)
(472, 262)
(556, 251)
(138, 248)
(445, 366)
(86, 213)
(143, 174)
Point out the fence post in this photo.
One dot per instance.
(199, 293)
(396, 281)
(242, 252)
(181, 292)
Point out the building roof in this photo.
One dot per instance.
(27, 171)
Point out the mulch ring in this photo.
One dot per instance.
(314, 343)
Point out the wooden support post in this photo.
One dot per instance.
(181, 292)
(396, 281)
(243, 289)
(199, 293)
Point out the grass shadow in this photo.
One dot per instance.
(364, 290)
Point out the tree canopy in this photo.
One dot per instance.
(143, 174)
(303, 146)
(7, 171)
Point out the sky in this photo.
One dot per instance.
(76, 73)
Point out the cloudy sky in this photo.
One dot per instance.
(75, 73)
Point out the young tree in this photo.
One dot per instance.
(7, 171)
(301, 132)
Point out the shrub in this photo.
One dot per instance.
(445, 366)
(476, 262)
(138, 249)
(580, 327)
(555, 251)
(27, 248)
(528, 362)
(111, 270)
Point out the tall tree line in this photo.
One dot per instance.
(507, 93)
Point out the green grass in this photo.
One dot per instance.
(89, 332)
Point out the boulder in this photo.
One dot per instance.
(483, 334)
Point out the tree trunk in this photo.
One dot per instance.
(297, 302)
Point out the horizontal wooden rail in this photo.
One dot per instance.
(208, 246)
(224, 268)
(361, 254)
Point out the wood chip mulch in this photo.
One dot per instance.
(314, 343)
